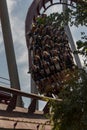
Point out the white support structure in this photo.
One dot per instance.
(73, 47)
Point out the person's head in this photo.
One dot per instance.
(34, 67)
(36, 57)
(45, 53)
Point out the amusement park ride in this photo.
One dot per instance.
(12, 97)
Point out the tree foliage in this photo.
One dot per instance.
(71, 113)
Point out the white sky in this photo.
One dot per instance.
(17, 13)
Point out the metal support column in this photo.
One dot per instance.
(9, 49)
(35, 91)
(73, 47)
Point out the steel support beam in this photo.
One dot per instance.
(9, 49)
(35, 91)
(28, 95)
(73, 47)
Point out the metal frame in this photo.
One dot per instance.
(9, 48)
(34, 97)
(33, 12)
(72, 44)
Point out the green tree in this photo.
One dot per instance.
(71, 113)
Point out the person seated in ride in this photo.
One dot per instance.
(56, 67)
(41, 28)
(69, 51)
(54, 80)
(65, 36)
(56, 61)
(35, 73)
(44, 86)
(48, 29)
(33, 27)
(40, 87)
(37, 31)
(43, 32)
(68, 60)
(38, 41)
(46, 68)
(47, 48)
(38, 52)
(37, 61)
(54, 53)
(47, 37)
(57, 46)
(56, 89)
(52, 67)
(51, 44)
(46, 56)
(38, 75)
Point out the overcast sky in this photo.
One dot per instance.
(17, 13)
